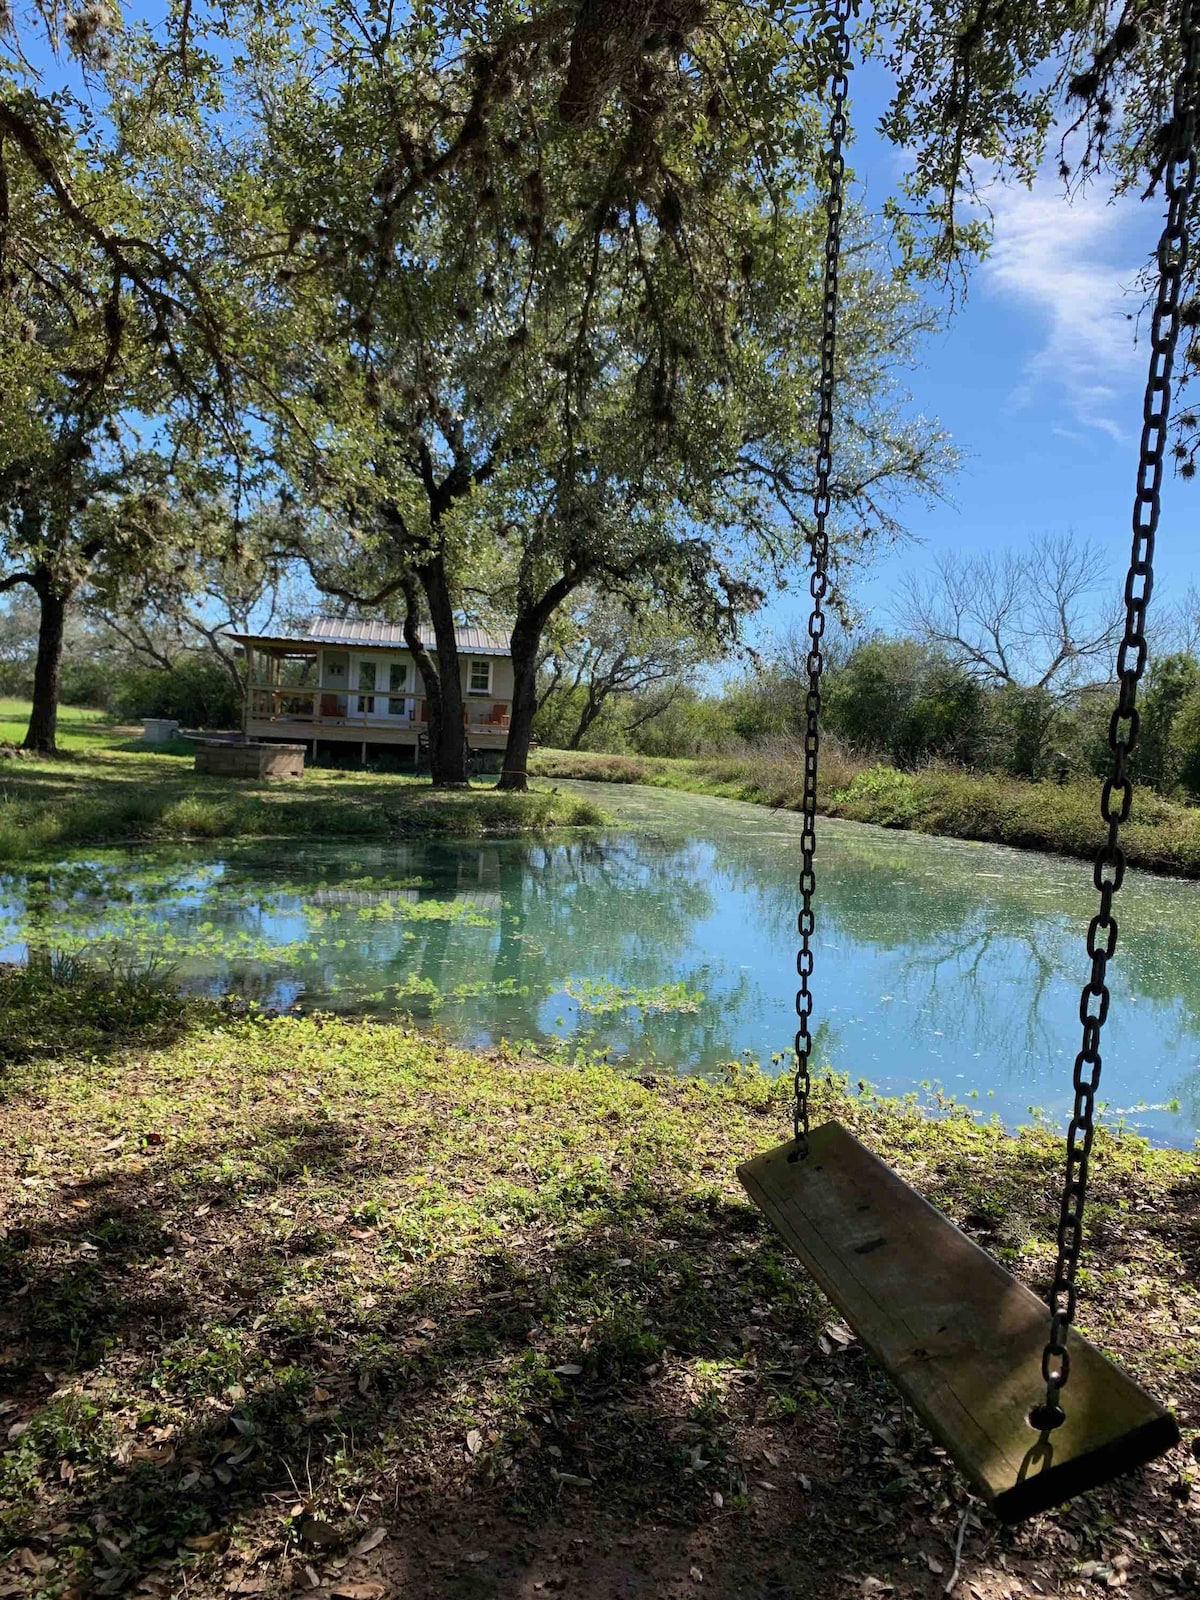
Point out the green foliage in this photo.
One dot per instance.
(1184, 748)
(62, 1002)
(198, 693)
(907, 700)
(1021, 721)
(1161, 758)
(1060, 818)
(692, 724)
(893, 798)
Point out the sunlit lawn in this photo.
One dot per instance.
(78, 727)
(106, 786)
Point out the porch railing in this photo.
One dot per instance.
(336, 707)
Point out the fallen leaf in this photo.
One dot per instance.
(696, 1575)
(569, 1369)
(314, 1531)
(368, 1541)
(368, 1590)
(476, 1556)
(474, 1442)
(156, 1455)
(204, 1541)
(17, 1429)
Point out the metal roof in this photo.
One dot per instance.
(384, 635)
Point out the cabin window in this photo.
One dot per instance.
(480, 680)
(398, 683)
(336, 667)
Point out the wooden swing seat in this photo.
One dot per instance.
(959, 1336)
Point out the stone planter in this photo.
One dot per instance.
(223, 759)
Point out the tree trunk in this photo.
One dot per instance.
(447, 736)
(591, 710)
(526, 644)
(43, 718)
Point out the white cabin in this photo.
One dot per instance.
(352, 691)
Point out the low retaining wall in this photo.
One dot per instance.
(221, 759)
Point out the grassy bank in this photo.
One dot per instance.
(107, 788)
(1161, 835)
(313, 1306)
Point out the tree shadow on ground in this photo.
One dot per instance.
(48, 1015)
(240, 1388)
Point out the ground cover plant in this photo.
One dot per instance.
(1162, 835)
(106, 787)
(303, 1305)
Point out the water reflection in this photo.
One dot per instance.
(671, 938)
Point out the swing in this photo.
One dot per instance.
(962, 1339)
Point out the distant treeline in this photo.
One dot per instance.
(909, 703)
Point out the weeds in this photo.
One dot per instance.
(1161, 835)
(63, 1002)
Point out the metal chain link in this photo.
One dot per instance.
(839, 87)
(1117, 795)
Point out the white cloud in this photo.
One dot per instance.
(1074, 265)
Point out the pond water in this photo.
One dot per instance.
(670, 938)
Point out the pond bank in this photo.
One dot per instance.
(484, 1312)
(105, 788)
(668, 936)
(1061, 819)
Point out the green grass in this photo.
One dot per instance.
(107, 788)
(279, 1283)
(1162, 835)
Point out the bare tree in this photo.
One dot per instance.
(1174, 628)
(609, 652)
(1044, 617)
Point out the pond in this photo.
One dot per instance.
(670, 939)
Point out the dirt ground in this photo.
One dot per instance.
(303, 1308)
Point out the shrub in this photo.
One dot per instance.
(894, 798)
(1185, 744)
(902, 698)
(198, 693)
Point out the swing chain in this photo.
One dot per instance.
(1117, 796)
(840, 12)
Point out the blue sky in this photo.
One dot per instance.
(1038, 378)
